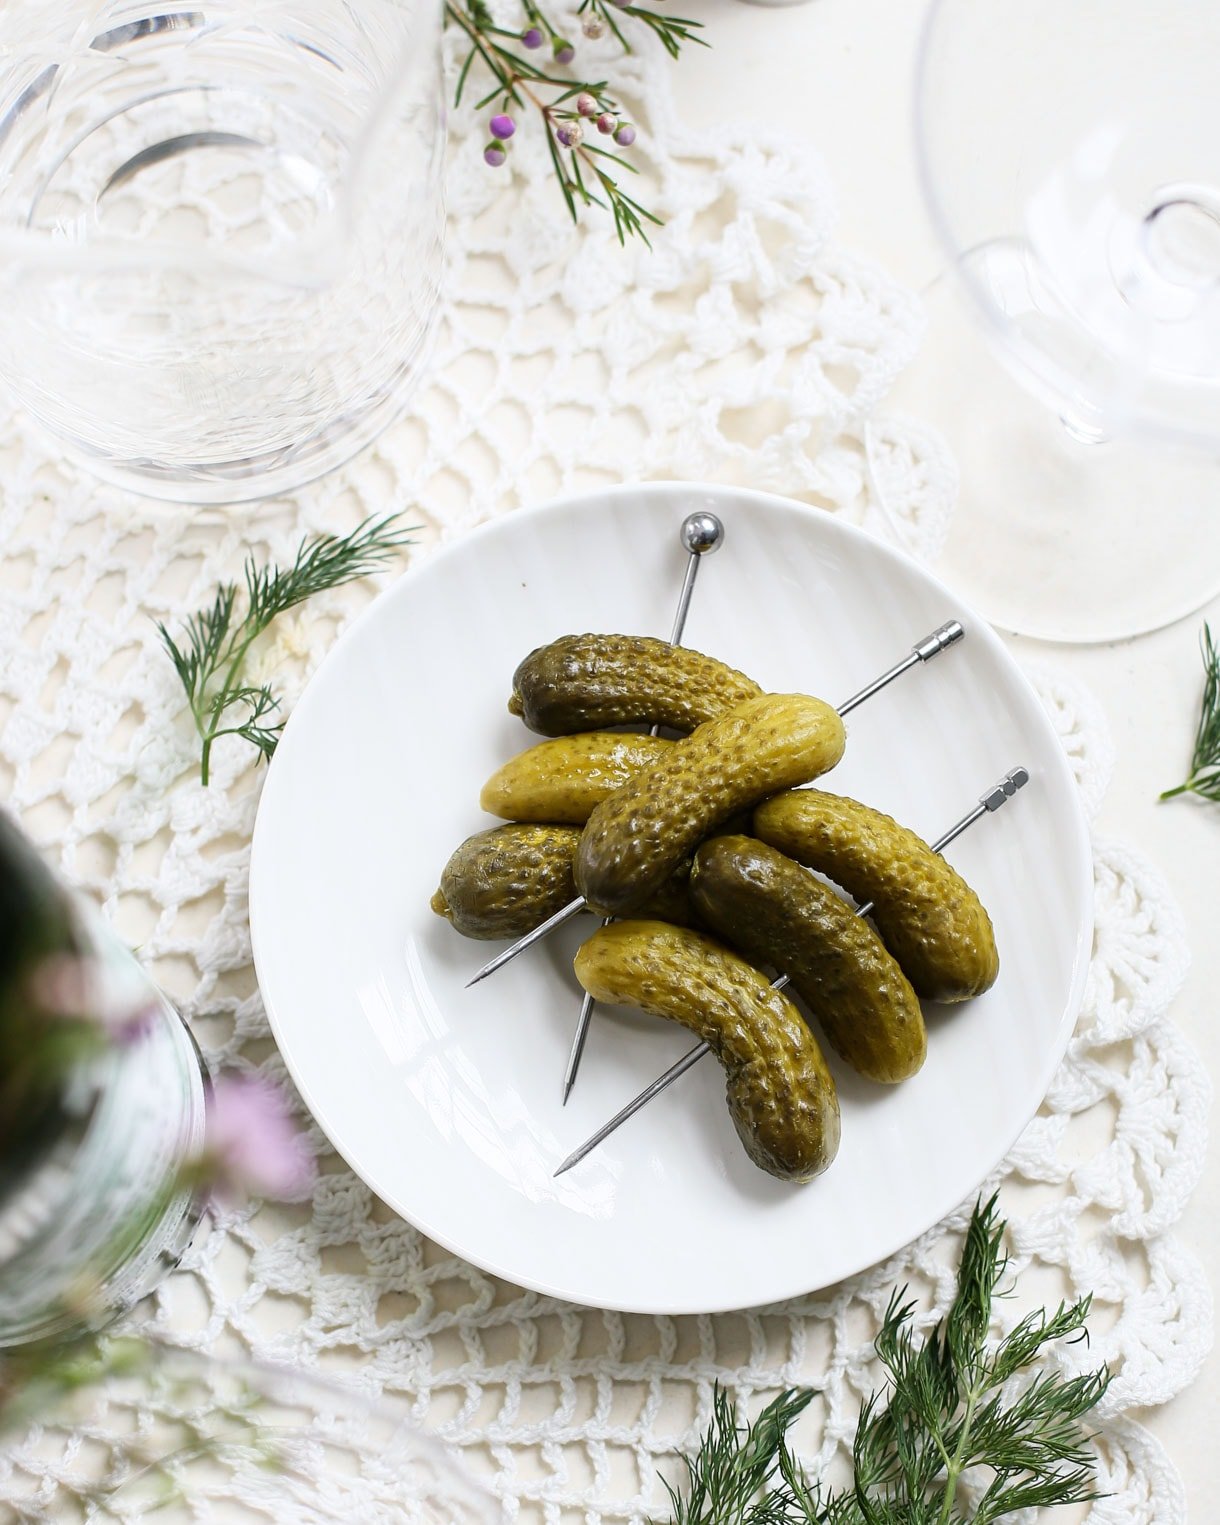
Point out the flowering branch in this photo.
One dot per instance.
(569, 108)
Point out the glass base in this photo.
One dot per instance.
(217, 484)
(1057, 534)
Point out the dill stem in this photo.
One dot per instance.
(959, 1456)
(1169, 794)
(226, 684)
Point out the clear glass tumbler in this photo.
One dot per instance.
(220, 231)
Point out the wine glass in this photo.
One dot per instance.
(1069, 152)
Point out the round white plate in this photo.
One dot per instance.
(446, 1100)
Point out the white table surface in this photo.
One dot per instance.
(837, 74)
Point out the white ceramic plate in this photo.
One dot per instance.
(447, 1100)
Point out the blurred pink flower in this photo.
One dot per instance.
(78, 988)
(251, 1144)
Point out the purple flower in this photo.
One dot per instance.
(494, 155)
(624, 135)
(570, 134)
(531, 37)
(606, 122)
(502, 126)
(251, 1144)
(564, 51)
(80, 988)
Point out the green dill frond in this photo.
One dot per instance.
(954, 1403)
(1204, 776)
(209, 656)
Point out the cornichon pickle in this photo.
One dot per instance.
(780, 1093)
(585, 682)
(634, 839)
(563, 779)
(506, 881)
(928, 916)
(775, 912)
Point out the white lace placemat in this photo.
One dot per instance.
(746, 347)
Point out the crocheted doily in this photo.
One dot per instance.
(746, 347)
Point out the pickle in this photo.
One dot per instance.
(563, 779)
(780, 1093)
(928, 916)
(775, 912)
(506, 881)
(585, 682)
(634, 839)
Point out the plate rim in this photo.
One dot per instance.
(978, 627)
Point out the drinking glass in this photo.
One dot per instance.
(220, 231)
(1070, 157)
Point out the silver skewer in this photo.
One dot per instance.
(999, 794)
(932, 645)
(701, 534)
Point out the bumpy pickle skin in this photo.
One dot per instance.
(928, 916)
(774, 912)
(634, 839)
(564, 779)
(585, 682)
(506, 881)
(781, 1095)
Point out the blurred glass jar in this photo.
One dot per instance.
(220, 231)
(102, 1095)
(177, 1438)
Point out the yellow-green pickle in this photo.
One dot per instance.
(585, 682)
(780, 1094)
(928, 916)
(634, 839)
(776, 913)
(562, 780)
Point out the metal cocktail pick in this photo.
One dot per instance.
(701, 534)
(999, 794)
(923, 651)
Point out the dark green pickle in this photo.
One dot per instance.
(776, 913)
(928, 916)
(506, 881)
(587, 682)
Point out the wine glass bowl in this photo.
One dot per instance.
(1070, 159)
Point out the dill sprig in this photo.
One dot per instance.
(210, 654)
(955, 1406)
(587, 175)
(1204, 777)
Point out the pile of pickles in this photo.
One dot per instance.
(701, 845)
